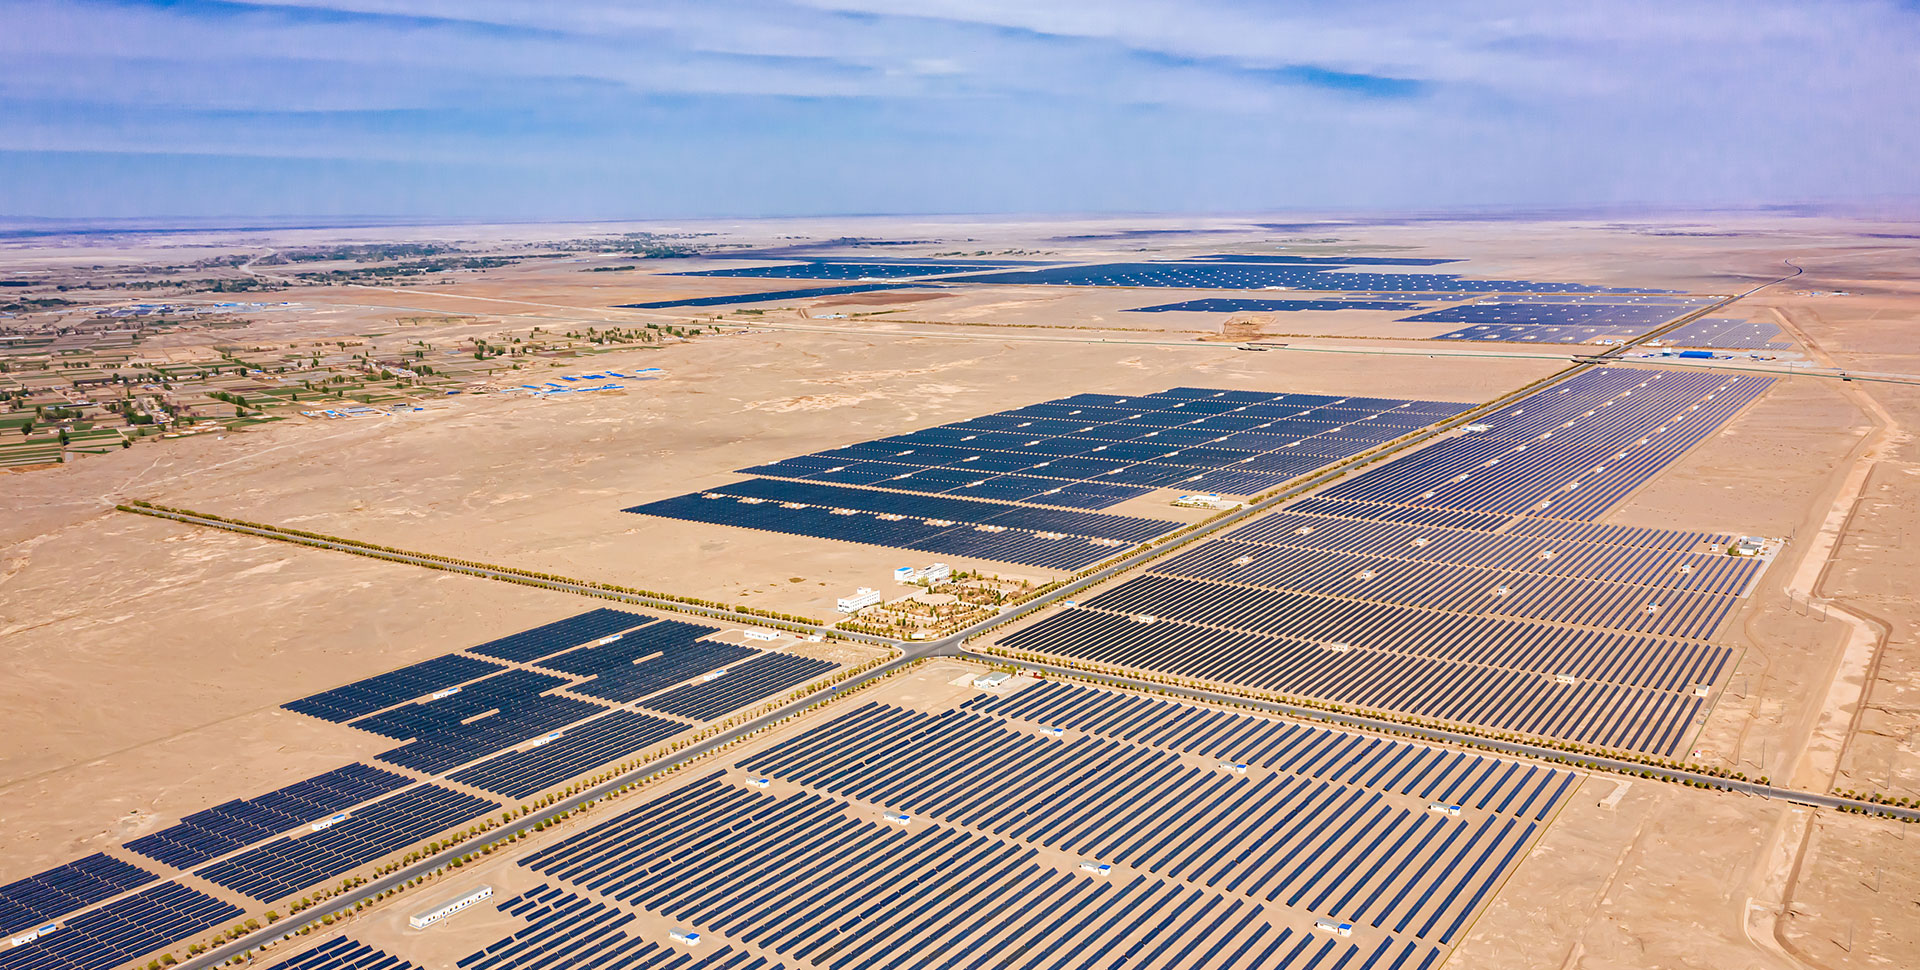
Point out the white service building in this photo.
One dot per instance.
(421, 921)
(860, 600)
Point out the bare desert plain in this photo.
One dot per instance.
(443, 394)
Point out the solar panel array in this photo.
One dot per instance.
(568, 930)
(518, 774)
(542, 641)
(1466, 582)
(121, 931)
(341, 953)
(974, 539)
(290, 864)
(1067, 451)
(385, 690)
(242, 822)
(1085, 451)
(1723, 333)
(768, 297)
(763, 676)
(1220, 304)
(1218, 275)
(1207, 868)
(650, 659)
(63, 889)
(1320, 260)
(1559, 319)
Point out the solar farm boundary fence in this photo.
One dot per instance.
(659, 601)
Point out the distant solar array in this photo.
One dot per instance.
(1320, 260)
(1466, 581)
(1220, 275)
(836, 269)
(1086, 451)
(1236, 305)
(1320, 849)
(800, 294)
(242, 822)
(1721, 333)
(1560, 318)
(1072, 451)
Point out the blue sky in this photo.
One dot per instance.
(484, 109)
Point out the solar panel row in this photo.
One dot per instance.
(242, 822)
(580, 933)
(1252, 276)
(385, 690)
(341, 953)
(121, 931)
(1723, 333)
(1090, 524)
(554, 637)
(737, 686)
(63, 889)
(584, 746)
(290, 864)
(1234, 305)
(882, 529)
(1046, 453)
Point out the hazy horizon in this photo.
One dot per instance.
(428, 110)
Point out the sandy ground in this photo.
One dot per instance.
(147, 686)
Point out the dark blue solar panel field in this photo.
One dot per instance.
(1222, 275)
(907, 836)
(1223, 304)
(1085, 451)
(1720, 333)
(1467, 581)
(1559, 318)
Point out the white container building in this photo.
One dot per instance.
(860, 600)
(421, 921)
